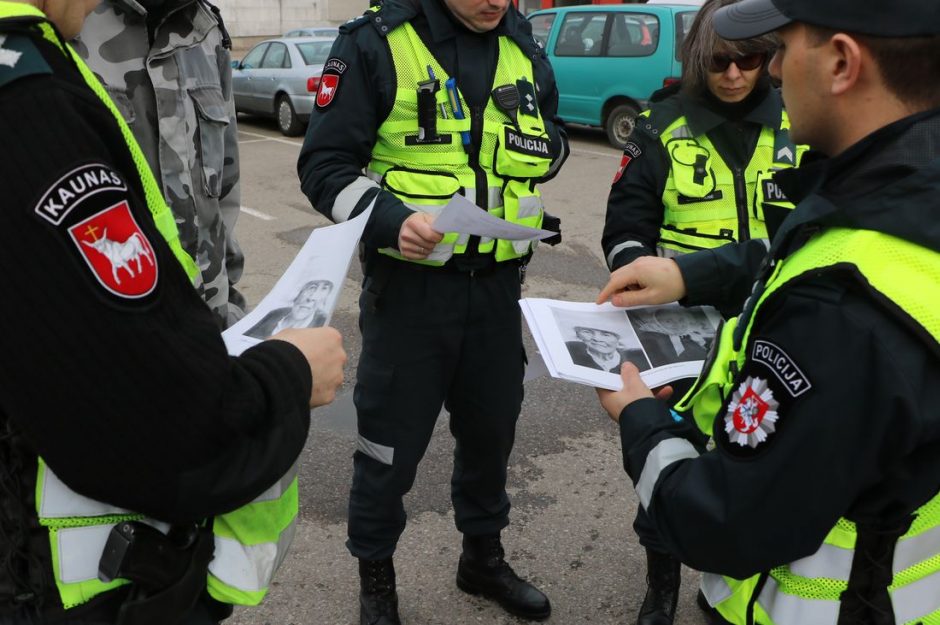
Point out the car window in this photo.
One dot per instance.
(295, 33)
(253, 59)
(683, 24)
(328, 32)
(315, 52)
(276, 57)
(541, 26)
(633, 34)
(581, 34)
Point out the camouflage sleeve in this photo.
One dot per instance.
(230, 198)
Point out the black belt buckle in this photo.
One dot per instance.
(120, 541)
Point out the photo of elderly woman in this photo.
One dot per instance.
(308, 310)
(600, 341)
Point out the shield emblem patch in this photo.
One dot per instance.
(117, 251)
(327, 91)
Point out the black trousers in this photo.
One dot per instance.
(103, 610)
(433, 337)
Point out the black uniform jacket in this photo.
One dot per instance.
(113, 369)
(861, 438)
(635, 204)
(341, 135)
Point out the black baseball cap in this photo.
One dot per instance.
(897, 18)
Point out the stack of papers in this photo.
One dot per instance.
(587, 343)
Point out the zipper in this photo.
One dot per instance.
(740, 199)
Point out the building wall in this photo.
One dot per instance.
(264, 18)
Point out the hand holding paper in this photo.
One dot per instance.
(464, 217)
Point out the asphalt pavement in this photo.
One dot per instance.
(573, 504)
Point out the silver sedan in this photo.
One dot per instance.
(279, 78)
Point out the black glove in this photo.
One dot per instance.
(552, 224)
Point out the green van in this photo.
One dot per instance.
(609, 59)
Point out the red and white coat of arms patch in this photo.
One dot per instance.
(117, 251)
(752, 413)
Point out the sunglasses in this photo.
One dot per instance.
(747, 62)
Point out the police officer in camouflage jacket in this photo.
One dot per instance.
(166, 65)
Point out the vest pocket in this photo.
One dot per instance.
(212, 119)
(520, 155)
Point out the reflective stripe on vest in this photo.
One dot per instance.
(250, 543)
(808, 590)
(703, 207)
(426, 176)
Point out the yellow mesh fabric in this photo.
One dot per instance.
(908, 275)
(811, 588)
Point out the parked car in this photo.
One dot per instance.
(279, 78)
(314, 31)
(609, 59)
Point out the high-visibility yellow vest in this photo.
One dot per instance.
(708, 204)
(250, 542)
(808, 591)
(426, 175)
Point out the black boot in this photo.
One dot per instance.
(378, 601)
(483, 571)
(662, 589)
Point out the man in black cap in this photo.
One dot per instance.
(820, 503)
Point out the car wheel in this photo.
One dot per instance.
(619, 124)
(287, 120)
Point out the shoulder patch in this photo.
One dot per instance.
(356, 22)
(782, 366)
(751, 416)
(69, 191)
(89, 207)
(630, 152)
(19, 58)
(333, 71)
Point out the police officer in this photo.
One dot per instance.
(821, 501)
(167, 65)
(433, 98)
(696, 174)
(130, 439)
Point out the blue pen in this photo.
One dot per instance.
(456, 108)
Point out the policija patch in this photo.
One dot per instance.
(526, 144)
(333, 70)
(117, 251)
(782, 366)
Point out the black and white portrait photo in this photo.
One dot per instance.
(309, 309)
(601, 341)
(671, 334)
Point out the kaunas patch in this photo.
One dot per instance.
(75, 187)
(333, 70)
(526, 144)
(630, 152)
(117, 251)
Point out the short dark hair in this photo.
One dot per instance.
(909, 66)
(702, 42)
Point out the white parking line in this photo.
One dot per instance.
(252, 141)
(267, 138)
(258, 214)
